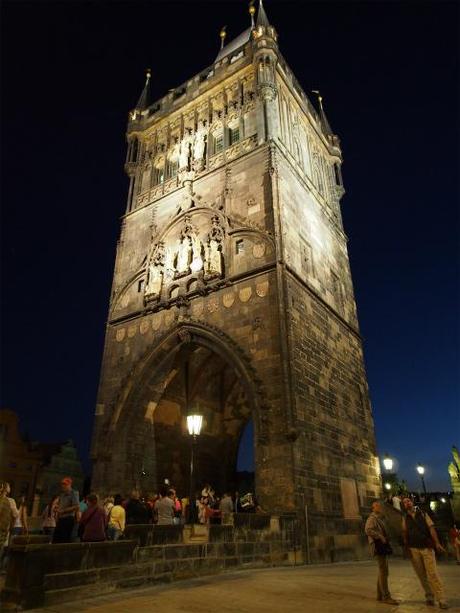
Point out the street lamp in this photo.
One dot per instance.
(421, 472)
(388, 486)
(194, 423)
(388, 463)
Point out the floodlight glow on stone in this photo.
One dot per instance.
(194, 423)
(196, 265)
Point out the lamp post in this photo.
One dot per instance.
(194, 423)
(421, 472)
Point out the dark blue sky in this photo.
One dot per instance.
(389, 75)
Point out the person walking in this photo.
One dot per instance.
(116, 519)
(93, 522)
(50, 515)
(421, 539)
(380, 548)
(68, 507)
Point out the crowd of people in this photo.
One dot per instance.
(66, 518)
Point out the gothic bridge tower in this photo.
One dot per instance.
(232, 265)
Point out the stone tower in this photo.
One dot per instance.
(232, 266)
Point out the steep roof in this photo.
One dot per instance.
(234, 44)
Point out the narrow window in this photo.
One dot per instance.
(218, 143)
(234, 135)
(140, 286)
(239, 246)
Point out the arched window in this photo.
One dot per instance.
(134, 150)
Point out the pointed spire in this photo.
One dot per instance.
(144, 98)
(262, 19)
(322, 115)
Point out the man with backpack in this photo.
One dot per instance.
(380, 548)
(421, 539)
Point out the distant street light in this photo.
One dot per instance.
(421, 472)
(388, 486)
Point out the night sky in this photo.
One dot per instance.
(388, 72)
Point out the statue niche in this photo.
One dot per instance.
(199, 148)
(188, 257)
(214, 249)
(156, 273)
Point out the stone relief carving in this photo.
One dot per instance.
(192, 252)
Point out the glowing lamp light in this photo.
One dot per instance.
(194, 423)
(388, 463)
(443, 500)
(420, 469)
(387, 486)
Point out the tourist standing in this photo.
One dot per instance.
(380, 549)
(50, 515)
(68, 507)
(165, 508)
(226, 508)
(397, 502)
(116, 519)
(136, 511)
(93, 522)
(108, 504)
(6, 521)
(454, 534)
(20, 523)
(421, 539)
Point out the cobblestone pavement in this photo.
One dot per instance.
(344, 588)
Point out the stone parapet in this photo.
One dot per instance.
(46, 574)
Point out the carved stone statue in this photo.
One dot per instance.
(174, 151)
(184, 155)
(214, 259)
(198, 150)
(184, 253)
(214, 249)
(155, 277)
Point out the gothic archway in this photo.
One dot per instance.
(149, 423)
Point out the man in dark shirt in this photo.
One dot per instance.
(420, 538)
(136, 511)
(68, 507)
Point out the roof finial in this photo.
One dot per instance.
(262, 19)
(252, 12)
(322, 114)
(223, 34)
(148, 74)
(320, 98)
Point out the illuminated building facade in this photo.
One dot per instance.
(232, 266)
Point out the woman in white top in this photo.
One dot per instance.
(50, 515)
(20, 523)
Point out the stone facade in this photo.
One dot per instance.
(232, 259)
